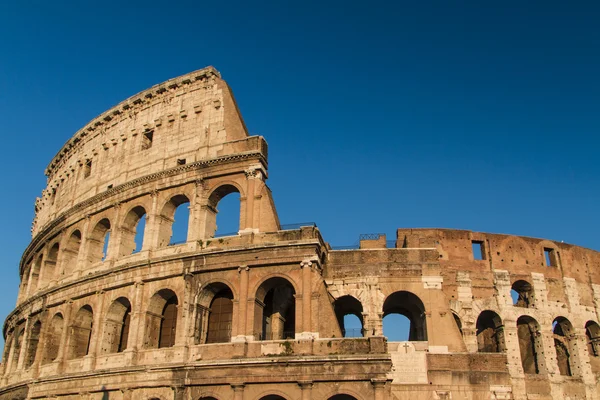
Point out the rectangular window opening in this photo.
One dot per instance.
(550, 257)
(181, 161)
(478, 250)
(87, 169)
(147, 140)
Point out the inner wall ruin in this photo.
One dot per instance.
(259, 314)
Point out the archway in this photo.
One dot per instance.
(161, 320)
(116, 326)
(224, 216)
(563, 344)
(528, 331)
(81, 332)
(348, 311)
(275, 310)
(32, 344)
(174, 221)
(132, 231)
(522, 294)
(53, 337)
(409, 306)
(98, 242)
(490, 333)
(70, 253)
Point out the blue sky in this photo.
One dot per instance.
(378, 115)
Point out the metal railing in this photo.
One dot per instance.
(370, 236)
(274, 336)
(353, 333)
(297, 225)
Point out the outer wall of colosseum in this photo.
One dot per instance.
(259, 315)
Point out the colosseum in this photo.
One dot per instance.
(260, 314)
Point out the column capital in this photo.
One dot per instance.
(243, 268)
(304, 385)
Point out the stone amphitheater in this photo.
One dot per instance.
(259, 315)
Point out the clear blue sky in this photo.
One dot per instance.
(378, 115)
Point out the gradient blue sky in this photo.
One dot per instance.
(378, 115)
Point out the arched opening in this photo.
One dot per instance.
(528, 331)
(70, 253)
(32, 344)
(53, 337)
(34, 277)
(207, 398)
(220, 317)
(272, 397)
(49, 271)
(116, 326)
(224, 220)
(174, 220)
(592, 334)
(490, 333)
(98, 242)
(25, 279)
(342, 397)
(348, 311)
(81, 333)
(409, 306)
(458, 323)
(17, 343)
(132, 231)
(161, 320)
(275, 310)
(563, 334)
(522, 294)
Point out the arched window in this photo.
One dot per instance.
(522, 294)
(458, 323)
(116, 326)
(161, 320)
(17, 343)
(275, 310)
(132, 231)
(35, 274)
(174, 220)
(348, 312)
(32, 344)
(490, 333)
(208, 398)
(25, 279)
(227, 198)
(342, 397)
(70, 253)
(53, 337)
(528, 331)
(98, 242)
(49, 270)
(563, 334)
(272, 397)
(220, 317)
(81, 332)
(592, 333)
(411, 307)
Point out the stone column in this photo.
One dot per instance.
(83, 250)
(306, 389)
(112, 251)
(241, 333)
(378, 388)
(306, 332)
(238, 391)
(63, 349)
(135, 340)
(252, 174)
(152, 224)
(196, 222)
(24, 344)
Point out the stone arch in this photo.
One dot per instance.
(207, 398)
(352, 395)
(273, 396)
(516, 250)
(490, 333)
(34, 275)
(25, 279)
(458, 322)
(349, 305)
(530, 345)
(592, 333)
(522, 294)
(217, 193)
(116, 326)
(33, 340)
(49, 271)
(17, 343)
(214, 313)
(410, 305)
(275, 309)
(167, 219)
(161, 319)
(342, 396)
(564, 345)
(53, 337)
(548, 252)
(133, 220)
(99, 241)
(81, 332)
(70, 253)
(7, 347)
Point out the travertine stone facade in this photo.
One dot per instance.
(259, 315)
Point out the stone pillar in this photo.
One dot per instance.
(63, 350)
(135, 340)
(116, 233)
(24, 344)
(152, 224)
(83, 249)
(196, 222)
(241, 333)
(306, 389)
(97, 329)
(238, 391)
(378, 388)
(250, 224)
(306, 300)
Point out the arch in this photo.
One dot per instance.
(562, 330)
(161, 320)
(272, 397)
(81, 333)
(342, 396)
(409, 305)
(592, 333)
(458, 322)
(32, 344)
(528, 332)
(25, 279)
(34, 276)
(17, 343)
(207, 398)
(490, 333)
(516, 250)
(134, 220)
(98, 242)
(215, 197)
(50, 263)
(275, 310)
(522, 294)
(70, 253)
(215, 313)
(168, 224)
(53, 337)
(349, 305)
(116, 326)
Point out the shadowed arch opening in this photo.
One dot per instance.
(49, 270)
(530, 346)
(342, 397)
(522, 294)
(223, 217)
(116, 326)
(207, 398)
(174, 221)
(17, 343)
(25, 279)
(220, 317)
(458, 322)
(563, 332)
(275, 310)
(132, 231)
(348, 311)
(408, 305)
(33, 340)
(592, 334)
(161, 320)
(490, 333)
(53, 337)
(98, 241)
(70, 253)
(81, 333)
(34, 276)
(272, 397)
